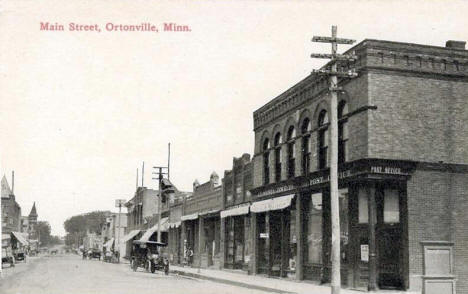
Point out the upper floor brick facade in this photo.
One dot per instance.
(409, 102)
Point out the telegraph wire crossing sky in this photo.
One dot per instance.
(81, 110)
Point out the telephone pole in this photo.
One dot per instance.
(332, 72)
(160, 177)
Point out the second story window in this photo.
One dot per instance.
(323, 140)
(277, 143)
(305, 129)
(342, 132)
(266, 161)
(291, 151)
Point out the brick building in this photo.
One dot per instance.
(11, 210)
(141, 210)
(403, 170)
(201, 223)
(235, 218)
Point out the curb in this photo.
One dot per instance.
(230, 282)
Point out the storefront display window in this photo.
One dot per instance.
(292, 242)
(314, 229)
(344, 223)
(363, 208)
(391, 211)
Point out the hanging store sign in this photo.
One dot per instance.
(264, 235)
(272, 204)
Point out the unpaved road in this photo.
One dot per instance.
(61, 274)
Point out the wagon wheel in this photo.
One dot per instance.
(153, 267)
(134, 265)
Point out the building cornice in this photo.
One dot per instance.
(372, 55)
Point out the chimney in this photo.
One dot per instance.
(455, 44)
(12, 182)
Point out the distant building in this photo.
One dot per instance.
(32, 222)
(201, 229)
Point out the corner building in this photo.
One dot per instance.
(403, 171)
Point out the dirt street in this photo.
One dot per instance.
(70, 274)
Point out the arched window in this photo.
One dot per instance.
(266, 161)
(342, 131)
(291, 151)
(323, 139)
(305, 129)
(277, 143)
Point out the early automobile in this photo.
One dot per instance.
(150, 256)
(7, 257)
(94, 253)
(20, 256)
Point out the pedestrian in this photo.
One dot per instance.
(190, 256)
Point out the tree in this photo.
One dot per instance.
(43, 231)
(77, 226)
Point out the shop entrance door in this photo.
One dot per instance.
(263, 248)
(389, 248)
(275, 243)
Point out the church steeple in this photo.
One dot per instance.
(33, 212)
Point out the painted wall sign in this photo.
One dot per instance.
(264, 235)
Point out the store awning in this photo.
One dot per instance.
(209, 212)
(20, 238)
(240, 210)
(147, 235)
(175, 225)
(130, 235)
(109, 243)
(272, 204)
(189, 217)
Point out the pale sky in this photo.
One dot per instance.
(80, 111)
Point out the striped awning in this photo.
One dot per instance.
(147, 235)
(175, 225)
(130, 235)
(239, 210)
(20, 238)
(272, 204)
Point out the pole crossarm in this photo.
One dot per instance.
(341, 74)
(320, 39)
(340, 57)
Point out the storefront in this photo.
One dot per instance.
(275, 235)
(190, 238)
(210, 242)
(127, 240)
(237, 237)
(373, 225)
(175, 235)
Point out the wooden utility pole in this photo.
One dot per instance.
(333, 75)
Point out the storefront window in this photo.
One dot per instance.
(391, 206)
(363, 210)
(314, 229)
(344, 223)
(292, 242)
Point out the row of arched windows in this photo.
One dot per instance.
(305, 139)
